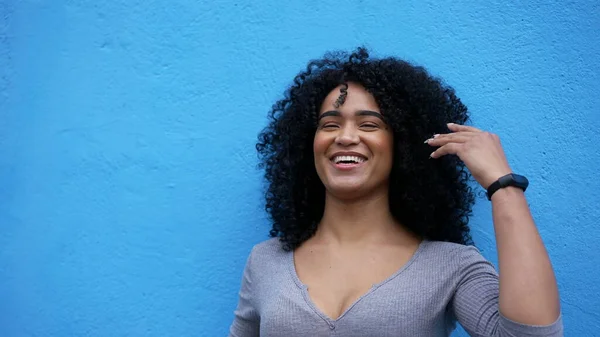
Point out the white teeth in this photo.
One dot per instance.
(354, 159)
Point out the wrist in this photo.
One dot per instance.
(507, 193)
(495, 176)
(506, 181)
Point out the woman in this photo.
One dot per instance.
(369, 197)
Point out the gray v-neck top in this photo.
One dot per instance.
(443, 283)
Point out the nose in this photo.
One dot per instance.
(347, 136)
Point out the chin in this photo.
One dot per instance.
(354, 187)
(347, 190)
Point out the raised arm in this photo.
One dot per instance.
(528, 292)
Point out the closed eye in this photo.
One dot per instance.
(369, 126)
(329, 126)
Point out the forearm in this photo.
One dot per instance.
(528, 290)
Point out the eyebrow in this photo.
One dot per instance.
(335, 113)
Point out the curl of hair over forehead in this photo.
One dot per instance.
(343, 94)
(432, 198)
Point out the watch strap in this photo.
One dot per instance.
(510, 179)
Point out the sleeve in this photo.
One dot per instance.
(476, 302)
(246, 320)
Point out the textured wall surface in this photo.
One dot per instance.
(129, 193)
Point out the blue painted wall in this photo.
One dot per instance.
(129, 194)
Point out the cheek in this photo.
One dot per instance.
(382, 144)
(388, 146)
(320, 144)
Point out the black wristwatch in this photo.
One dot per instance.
(507, 180)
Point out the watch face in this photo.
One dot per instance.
(520, 180)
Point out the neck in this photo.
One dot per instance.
(363, 220)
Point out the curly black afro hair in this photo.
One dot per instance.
(432, 198)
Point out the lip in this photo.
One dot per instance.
(348, 153)
(347, 167)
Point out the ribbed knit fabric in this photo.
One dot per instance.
(443, 283)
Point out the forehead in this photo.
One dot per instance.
(357, 98)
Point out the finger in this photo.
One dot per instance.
(459, 137)
(458, 127)
(451, 148)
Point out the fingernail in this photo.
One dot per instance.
(431, 155)
(427, 140)
(436, 135)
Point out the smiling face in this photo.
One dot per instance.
(353, 146)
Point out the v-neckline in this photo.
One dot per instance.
(304, 288)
